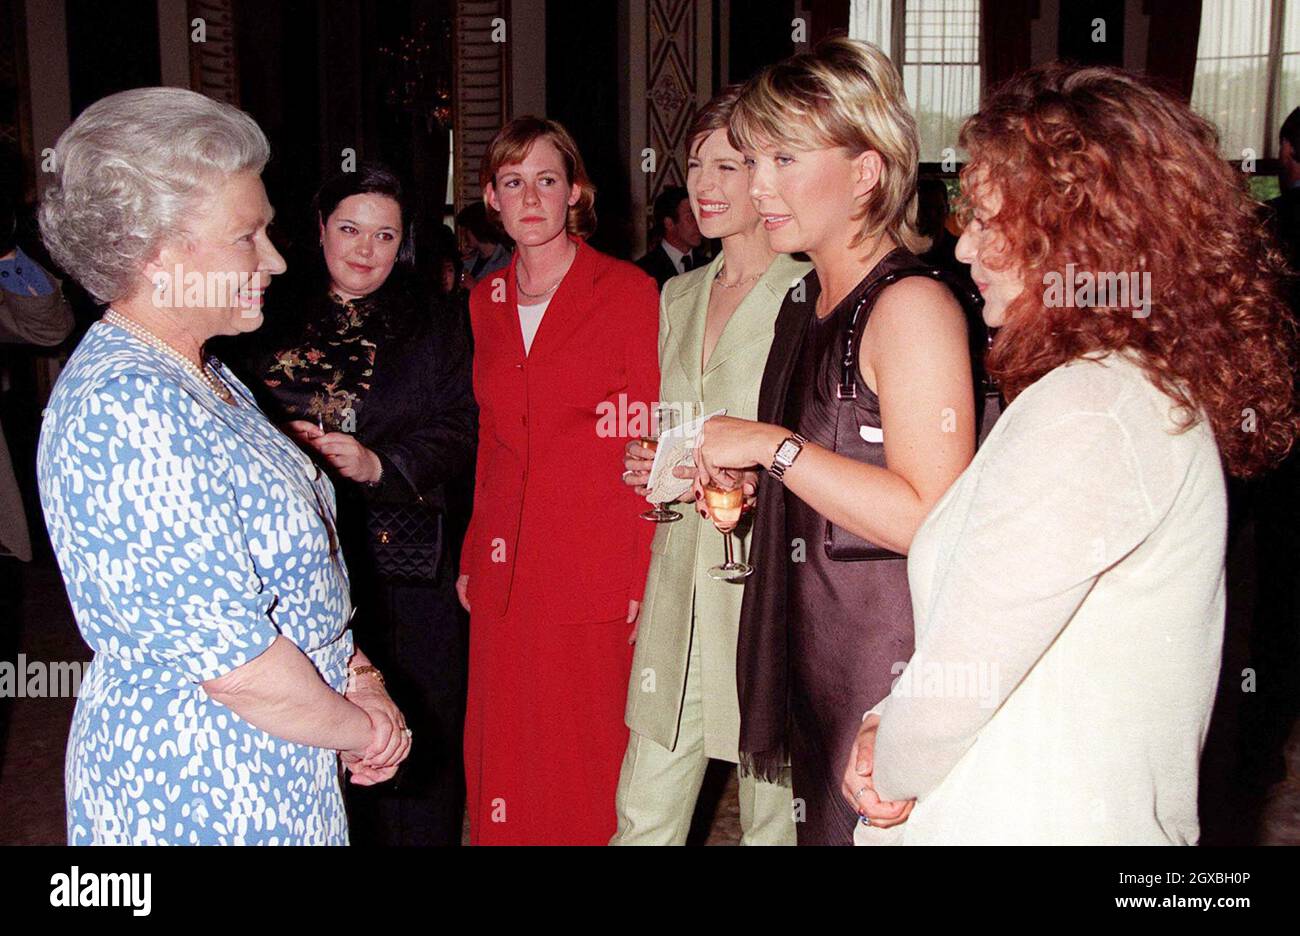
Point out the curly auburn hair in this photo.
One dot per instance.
(1098, 169)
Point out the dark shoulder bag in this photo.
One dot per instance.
(840, 544)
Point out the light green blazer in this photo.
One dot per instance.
(684, 551)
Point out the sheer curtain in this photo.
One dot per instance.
(871, 21)
(1233, 72)
(1288, 95)
(935, 45)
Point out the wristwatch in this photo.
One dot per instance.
(786, 453)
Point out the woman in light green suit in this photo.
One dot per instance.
(715, 328)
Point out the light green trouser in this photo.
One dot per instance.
(657, 788)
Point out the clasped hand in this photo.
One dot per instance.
(858, 784)
(389, 740)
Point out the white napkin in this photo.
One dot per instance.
(676, 448)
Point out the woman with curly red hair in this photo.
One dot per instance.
(1068, 590)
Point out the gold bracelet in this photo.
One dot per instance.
(355, 671)
(380, 476)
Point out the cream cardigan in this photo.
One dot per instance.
(1068, 594)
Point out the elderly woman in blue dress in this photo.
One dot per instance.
(196, 542)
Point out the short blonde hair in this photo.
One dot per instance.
(511, 145)
(844, 93)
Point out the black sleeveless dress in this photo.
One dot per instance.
(850, 623)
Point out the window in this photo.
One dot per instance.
(935, 44)
(1248, 71)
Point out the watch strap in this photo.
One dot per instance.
(779, 465)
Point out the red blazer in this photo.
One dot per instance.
(555, 531)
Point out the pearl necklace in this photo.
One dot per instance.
(207, 373)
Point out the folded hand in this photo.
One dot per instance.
(858, 785)
(390, 741)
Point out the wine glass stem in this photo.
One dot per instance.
(726, 544)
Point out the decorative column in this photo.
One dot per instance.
(482, 83)
(676, 82)
(214, 64)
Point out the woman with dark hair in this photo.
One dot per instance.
(555, 558)
(1069, 588)
(374, 382)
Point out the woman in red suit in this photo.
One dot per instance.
(565, 347)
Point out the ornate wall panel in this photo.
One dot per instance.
(673, 73)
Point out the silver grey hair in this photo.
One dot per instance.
(131, 170)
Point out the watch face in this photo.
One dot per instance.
(787, 451)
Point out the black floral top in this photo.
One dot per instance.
(326, 378)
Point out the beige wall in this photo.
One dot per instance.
(47, 69)
(174, 42)
(634, 130)
(47, 57)
(528, 57)
(1044, 31)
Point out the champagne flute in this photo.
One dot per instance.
(725, 507)
(663, 416)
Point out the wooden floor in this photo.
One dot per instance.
(31, 769)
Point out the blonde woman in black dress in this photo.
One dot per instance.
(856, 455)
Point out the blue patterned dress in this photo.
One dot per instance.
(190, 533)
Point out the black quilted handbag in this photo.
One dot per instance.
(405, 542)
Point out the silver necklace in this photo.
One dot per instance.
(206, 373)
(717, 278)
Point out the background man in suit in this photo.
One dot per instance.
(679, 237)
